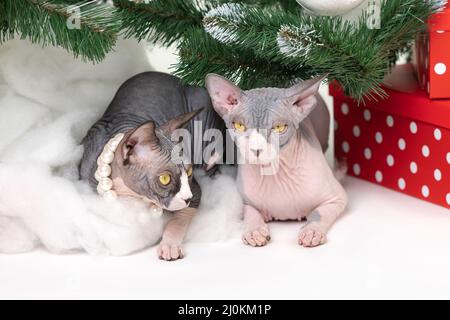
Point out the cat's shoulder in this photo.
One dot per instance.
(151, 79)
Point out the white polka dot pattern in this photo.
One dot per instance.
(378, 137)
(413, 127)
(437, 134)
(379, 176)
(408, 138)
(437, 175)
(432, 67)
(367, 115)
(356, 169)
(413, 167)
(440, 68)
(401, 144)
(345, 108)
(425, 151)
(390, 160)
(345, 147)
(401, 183)
(390, 121)
(405, 154)
(425, 191)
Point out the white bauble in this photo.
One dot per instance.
(330, 7)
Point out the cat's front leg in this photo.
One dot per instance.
(257, 232)
(320, 221)
(170, 247)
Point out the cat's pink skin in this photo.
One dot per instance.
(304, 185)
(296, 182)
(170, 247)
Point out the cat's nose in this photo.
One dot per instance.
(257, 152)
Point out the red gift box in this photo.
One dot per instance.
(402, 142)
(432, 58)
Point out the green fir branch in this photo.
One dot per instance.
(200, 54)
(164, 21)
(355, 55)
(46, 22)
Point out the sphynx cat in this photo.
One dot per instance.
(281, 135)
(147, 109)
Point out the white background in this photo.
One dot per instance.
(386, 245)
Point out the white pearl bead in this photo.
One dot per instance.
(112, 146)
(100, 190)
(103, 171)
(105, 184)
(110, 195)
(107, 157)
(116, 140)
(119, 136)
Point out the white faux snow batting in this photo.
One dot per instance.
(229, 14)
(48, 101)
(294, 41)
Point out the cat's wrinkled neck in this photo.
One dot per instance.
(293, 150)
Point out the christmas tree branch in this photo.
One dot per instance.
(200, 54)
(85, 28)
(163, 21)
(323, 44)
(166, 21)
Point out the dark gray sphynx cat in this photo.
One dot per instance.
(147, 109)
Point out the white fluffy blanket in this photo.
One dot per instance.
(48, 101)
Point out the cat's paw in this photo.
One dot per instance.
(257, 238)
(311, 237)
(170, 252)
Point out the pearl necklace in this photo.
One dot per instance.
(103, 173)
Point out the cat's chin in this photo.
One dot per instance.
(261, 162)
(177, 206)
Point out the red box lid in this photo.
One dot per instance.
(440, 21)
(415, 106)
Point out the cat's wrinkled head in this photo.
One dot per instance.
(146, 166)
(264, 120)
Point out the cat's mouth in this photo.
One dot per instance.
(176, 205)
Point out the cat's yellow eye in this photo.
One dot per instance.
(280, 128)
(164, 179)
(239, 126)
(189, 172)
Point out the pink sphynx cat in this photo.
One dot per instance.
(281, 134)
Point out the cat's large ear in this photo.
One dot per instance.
(179, 122)
(224, 94)
(140, 142)
(302, 96)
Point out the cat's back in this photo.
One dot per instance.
(150, 95)
(147, 96)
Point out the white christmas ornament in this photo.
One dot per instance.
(331, 7)
(349, 10)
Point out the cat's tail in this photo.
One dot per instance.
(340, 169)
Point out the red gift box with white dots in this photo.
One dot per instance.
(432, 58)
(402, 142)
